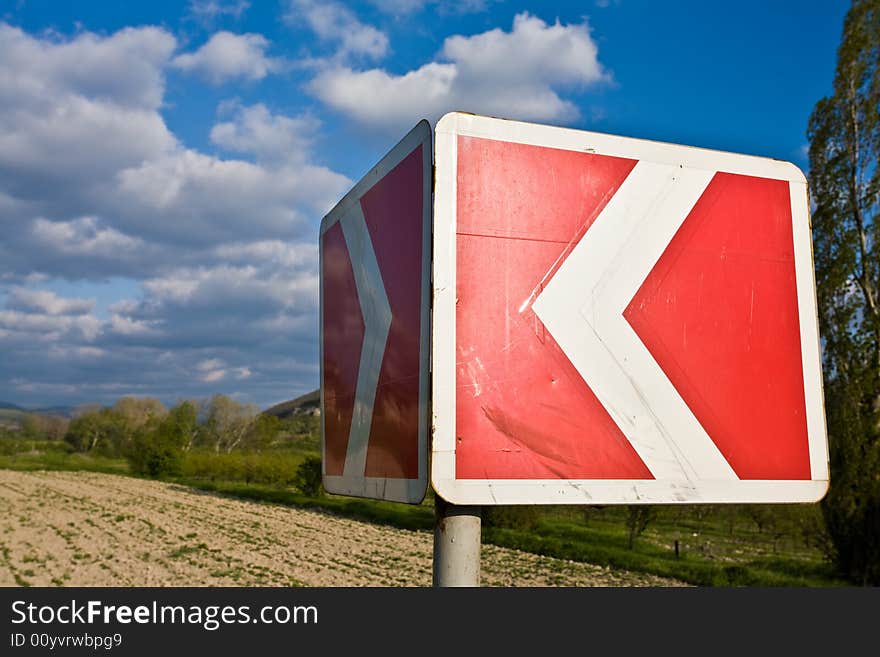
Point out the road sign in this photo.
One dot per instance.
(620, 321)
(375, 328)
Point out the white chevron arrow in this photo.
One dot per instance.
(376, 312)
(582, 306)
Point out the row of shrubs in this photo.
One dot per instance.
(14, 445)
(267, 468)
(272, 468)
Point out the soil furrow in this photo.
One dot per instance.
(89, 529)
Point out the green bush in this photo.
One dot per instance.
(152, 454)
(156, 449)
(308, 477)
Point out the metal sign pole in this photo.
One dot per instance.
(456, 544)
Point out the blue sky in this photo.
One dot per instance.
(164, 166)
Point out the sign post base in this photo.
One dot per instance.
(456, 544)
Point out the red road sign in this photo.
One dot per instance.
(375, 312)
(620, 321)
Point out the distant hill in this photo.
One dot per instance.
(9, 409)
(308, 403)
(11, 417)
(63, 411)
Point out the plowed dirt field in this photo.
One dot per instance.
(88, 529)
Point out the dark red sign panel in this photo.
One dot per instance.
(375, 287)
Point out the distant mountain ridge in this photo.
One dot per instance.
(307, 403)
(65, 411)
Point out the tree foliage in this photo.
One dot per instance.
(184, 420)
(158, 444)
(844, 133)
(101, 431)
(135, 412)
(38, 426)
(229, 423)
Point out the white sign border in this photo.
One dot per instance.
(410, 491)
(607, 491)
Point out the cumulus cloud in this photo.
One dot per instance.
(99, 184)
(261, 290)
(122, 325)
(228, 56)
(46, 327)
(334, 23)
(124, 68)
(224, 200)
(270, 137)
(516, 74)
(381, 98)
(211, 370)
(75, 112)
(215, 369)
(47, 302)
(95, 187)
(83, 236)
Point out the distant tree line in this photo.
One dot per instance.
(218, 437)
(220, 424)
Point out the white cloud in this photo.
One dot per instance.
(406, 7)
(210, 364)
(270, 137)
(399, 7)
(224, 200)
(302, 254)
(47, 302)
(533, 51)
(74, 112)
(516, 74)
(213, 376)
(123, 325)
(174, 289)
(218, 254)
(104, 177)
(49, 327)
(83, 236)
(378, 97)
(215, 369)
(266, 289)
(209, 11)
(333, 22)
(227, 56)
(123, 68)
